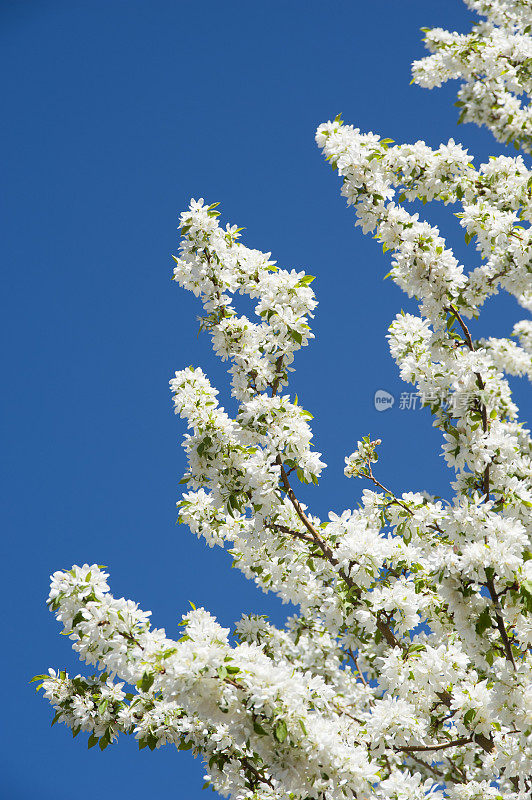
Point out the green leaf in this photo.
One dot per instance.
(38, 678)
(92, 741)
(469, 716)
(259, 730)
(296, 336)
(416, 648)
(146, 682)
(280, 731)
(77, 619)
(306, 280)
(483, 622)
(185, 745)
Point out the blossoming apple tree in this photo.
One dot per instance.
(407, 671)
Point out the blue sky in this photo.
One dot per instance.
(116, 112)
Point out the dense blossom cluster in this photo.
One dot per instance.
(407, 671)
(494, 62)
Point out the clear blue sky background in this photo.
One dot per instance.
(115, 113)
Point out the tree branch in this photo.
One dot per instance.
(382, 627)
(434, 747)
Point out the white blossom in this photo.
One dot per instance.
(406, 671)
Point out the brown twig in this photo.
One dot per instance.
(486, 489)
(500, 622)
(433, 747)
(306, 537)
(481, 385)
(428, 766)
(382, 627)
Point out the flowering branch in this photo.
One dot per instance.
(431, 600)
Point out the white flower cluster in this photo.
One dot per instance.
(214, 265)
(407, 671)
(262, 721)
(238, 459)
(359, 462)
(494, 63)
(435, 350)
(523, 331)
(245, 474)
